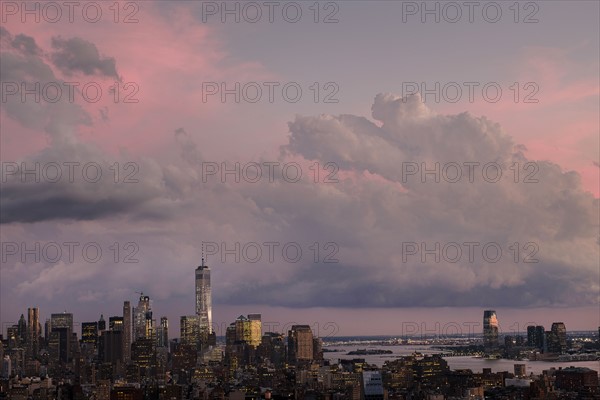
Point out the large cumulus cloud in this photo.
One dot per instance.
(369, 213)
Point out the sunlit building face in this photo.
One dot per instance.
(203, 297)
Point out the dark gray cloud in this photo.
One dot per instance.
(78, 55)
(26, 44)
(23, 43)
(22, 62)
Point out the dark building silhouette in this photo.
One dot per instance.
(535, 336)
(111, 350)
(101, 323)
(577, 380)
(557, 338)
(127, 326)
(300, 343)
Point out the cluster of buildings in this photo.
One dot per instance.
(539, 344)
(132, 357)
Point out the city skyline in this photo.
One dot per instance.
(144, 325)
(312, 200)
(423, 198)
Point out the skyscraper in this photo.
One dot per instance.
(189, 328)
(101, 323)
(204, 299)
(89, 333)
(531, 339)
(162, 337)
(6, 370)
(112, 346)
(33, 331)
(61, 320)
(300, 343)
(490, 329)
(127, 324)
(142, 314)
(557, 339)
(62, 325)
(115, 323)
(22, 329)
(249, 329)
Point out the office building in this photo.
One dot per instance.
(116, 323)
(204, 299)
(127, 324)
(248, 329)
(33, 332)
(162, 337)
(490, 329)
(6, 370)
(372, 385)
(61, 320)
(101, 324)
(189, 327)
(556, 338)
(111, 350)
(143, 323)
(300, 343)
(89, 333)
(22, 330)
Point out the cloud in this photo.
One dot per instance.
(369, 213)
(554, 213)
(78, 55)
(24, 64)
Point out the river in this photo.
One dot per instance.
(460, 362)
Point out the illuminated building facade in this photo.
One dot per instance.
(143, 323)
(490, 329)
(203, 299)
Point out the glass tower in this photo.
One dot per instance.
(203, 299)
(490, 329)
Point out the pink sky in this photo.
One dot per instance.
(170, 53)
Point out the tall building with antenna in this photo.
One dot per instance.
(203, 298)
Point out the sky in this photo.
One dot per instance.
(366, 168)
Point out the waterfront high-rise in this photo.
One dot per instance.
(203, 299)
(557, 339)
(535, 336)
(127, 324)
(490, 329)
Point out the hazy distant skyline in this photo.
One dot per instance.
(366, 139)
